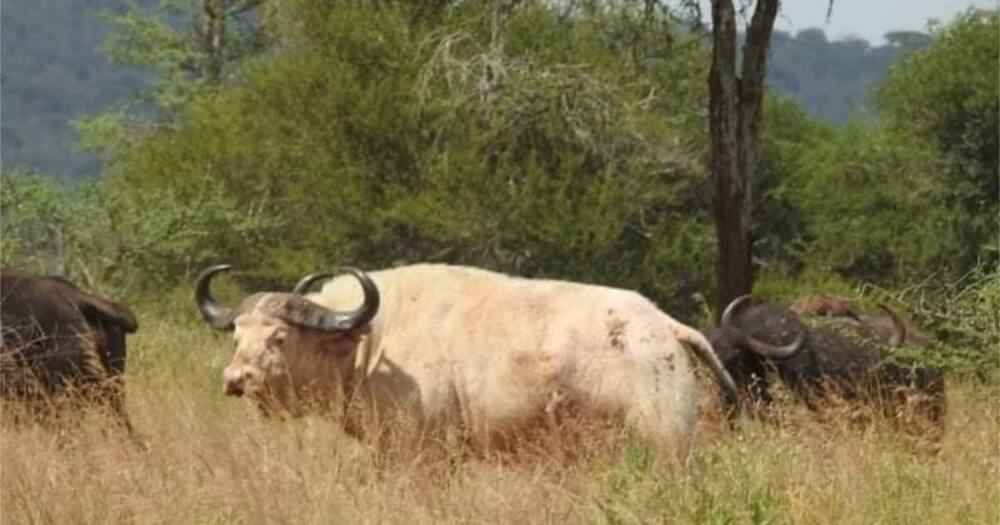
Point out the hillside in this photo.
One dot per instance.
(53, 72)
(833, 79)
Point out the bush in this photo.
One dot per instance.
(51, 228)
(116, 240)
(964, 315)
(871, 201)
(26, 240)
(163, 235)
(948, 96)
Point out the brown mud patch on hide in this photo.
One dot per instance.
(616, 332)
(669, 359)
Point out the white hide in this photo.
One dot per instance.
(492, 351)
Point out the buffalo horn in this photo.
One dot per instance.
(759, 347)
(217, 316)
(727, 314)
(899, 328)
(776, 352)
(301, 311)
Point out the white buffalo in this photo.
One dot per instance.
(459, 347)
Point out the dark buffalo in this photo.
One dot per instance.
(815, 356)
(57, 338)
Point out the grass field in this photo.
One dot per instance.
(211, 459)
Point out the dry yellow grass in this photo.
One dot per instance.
(209, 459)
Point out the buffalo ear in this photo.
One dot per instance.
(98, 310)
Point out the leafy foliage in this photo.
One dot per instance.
(779, 227)
(948, 96)
(162, 235)
(412, 142)
(871, 199)
(106, 239)
(964, 314)
(907, 196)
(34, 244)
(189, 44)
(56, 74)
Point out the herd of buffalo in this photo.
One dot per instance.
(488, 350)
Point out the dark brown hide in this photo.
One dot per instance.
(57, 337)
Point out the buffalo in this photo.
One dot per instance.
(59, 339)
(459, 347)
(833, 353)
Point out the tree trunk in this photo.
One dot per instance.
(213, 32)
(734, 113)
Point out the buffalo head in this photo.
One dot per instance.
(752, 334)
(285, 343)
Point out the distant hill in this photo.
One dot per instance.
(833, 80)
(51, 72)
(54, 72)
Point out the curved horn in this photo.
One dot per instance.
(306, 313)
(217, 316)
(759, 347)
(727, 314)
(776, 352)
(306, 282)
(899, 328)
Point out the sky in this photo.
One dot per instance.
(868, 19)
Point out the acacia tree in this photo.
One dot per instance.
(734, 122)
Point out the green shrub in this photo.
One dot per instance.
(964, 315)
(33, 216)
(117, 240)
(381, 139)
(949, 96)
(163, 235)
(52, 228)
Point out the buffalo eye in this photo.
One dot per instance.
(277, 339)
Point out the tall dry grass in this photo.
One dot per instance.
(209, 459)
